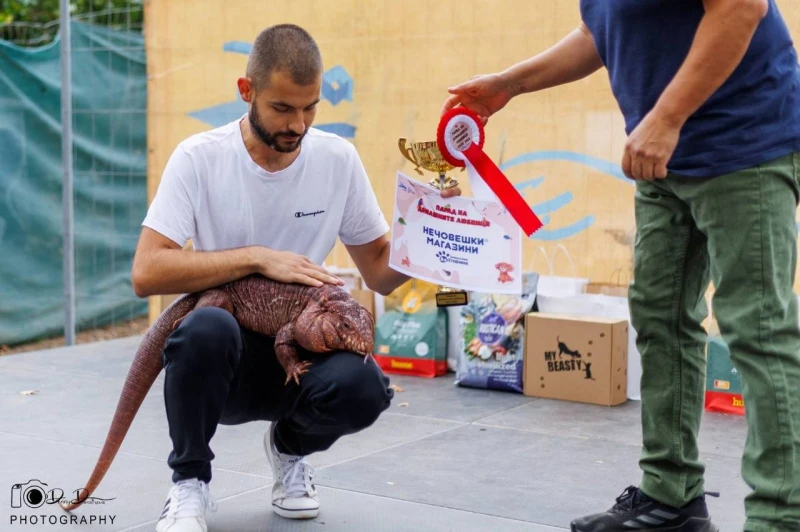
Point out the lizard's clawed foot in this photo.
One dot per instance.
(296, 370)
(176, 323)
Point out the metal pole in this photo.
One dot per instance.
(66, 162)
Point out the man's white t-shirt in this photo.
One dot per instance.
(214, 193)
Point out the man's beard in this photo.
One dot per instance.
(270, 139)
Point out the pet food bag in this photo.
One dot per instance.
(411, 334)
(723, 382)
(493, 338)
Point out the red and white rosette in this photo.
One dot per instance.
(460, 139)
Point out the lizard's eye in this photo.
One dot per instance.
(346, 325)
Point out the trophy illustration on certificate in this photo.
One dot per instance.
(462, 244)
(427, 155)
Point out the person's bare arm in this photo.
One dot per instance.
(372, 261)
(572, 58)
(721, 40)
(161, 267)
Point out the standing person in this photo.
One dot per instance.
(265, 194)
(710, 93)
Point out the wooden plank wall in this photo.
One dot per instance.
(388, 64)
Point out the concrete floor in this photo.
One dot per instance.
(454, 459)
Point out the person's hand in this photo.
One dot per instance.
(450, 192)
(288, 267)
(650, 147)
(485, 95)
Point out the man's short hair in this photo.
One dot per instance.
(284, 47)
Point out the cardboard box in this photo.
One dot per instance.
(351, 282)
(354, 285)
(576, 358)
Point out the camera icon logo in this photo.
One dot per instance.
(33, 494)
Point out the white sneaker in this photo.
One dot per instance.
(186, 506)
(293, 494)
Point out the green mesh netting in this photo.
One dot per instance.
(110, 158)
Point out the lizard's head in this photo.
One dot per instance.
(336, 324)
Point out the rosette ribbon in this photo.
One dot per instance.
(460, 139)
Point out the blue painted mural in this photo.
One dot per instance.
(337, 86)
(546, 208)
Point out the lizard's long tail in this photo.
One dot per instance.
(144, 370)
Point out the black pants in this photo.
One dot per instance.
(218, 373)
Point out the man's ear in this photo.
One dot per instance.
(246, 91)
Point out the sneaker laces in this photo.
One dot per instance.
(192, 498)
(633, 496)
(630, 498)
(296, 477)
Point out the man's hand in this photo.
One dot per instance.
(450, 192)
(574, 57)
(721, 40)
(650, 147)
(485, 95)
(160, 266)
(372, 260)
(288, 267)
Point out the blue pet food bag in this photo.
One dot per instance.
(493, 338)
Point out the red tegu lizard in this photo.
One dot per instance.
(320, 320)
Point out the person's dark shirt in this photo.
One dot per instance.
(752, 118)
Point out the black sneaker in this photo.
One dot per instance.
(636, 511)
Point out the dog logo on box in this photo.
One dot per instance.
(564, 349)
(574, 361)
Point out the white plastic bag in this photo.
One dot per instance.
(556, 285)
(453, 336)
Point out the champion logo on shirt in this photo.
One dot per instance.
(300, 214)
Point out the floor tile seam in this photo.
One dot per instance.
(393, 446)
(592, 437)
(431, 505)
(637, 443)
(708, 455)
(49, 372)
(78, 444)
(507, 410)
(428, 418)
(385, 497)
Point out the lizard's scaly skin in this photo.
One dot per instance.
(320, 320)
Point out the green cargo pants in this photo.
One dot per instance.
(739, 231)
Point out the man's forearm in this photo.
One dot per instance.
(722, 38)
(571, 59)
(385, 279)
(176, 271)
